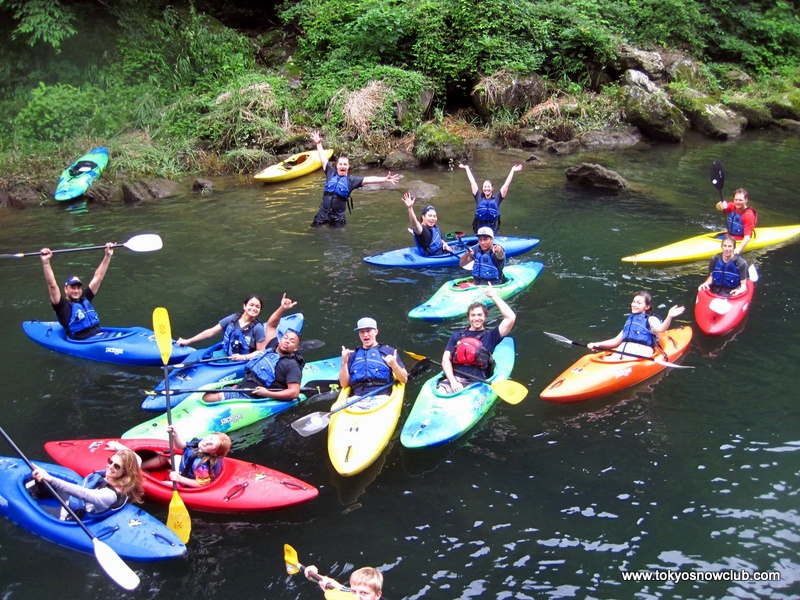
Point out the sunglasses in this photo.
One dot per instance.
(117, 466)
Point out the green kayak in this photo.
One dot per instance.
(77, 178)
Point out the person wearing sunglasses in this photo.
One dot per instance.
(101, 491)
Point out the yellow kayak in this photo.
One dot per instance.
(358, 434)
(295, 166)
(703, 247)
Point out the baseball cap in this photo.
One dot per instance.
(486, 231)
(366, 323)
(72, 280)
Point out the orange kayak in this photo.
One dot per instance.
(603, 373)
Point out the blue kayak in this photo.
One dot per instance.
(134, 346)
(436, 419)
(195, 418)
(197, 376)
(132, 533)
(414, 258)
(77, 177)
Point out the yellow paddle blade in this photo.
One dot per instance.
(339, 595)
(163, 333)
(415, 356)
(510, 391)
(178, 519)
(291, 559)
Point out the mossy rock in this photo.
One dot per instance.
(433, 143)
(785, 106)
(752, 109)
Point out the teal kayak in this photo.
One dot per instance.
(77, 178)
(453, 299)
(195, 418)
(436, 419)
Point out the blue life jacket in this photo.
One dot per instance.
(637, 330)
(484, 266)
(263, 366)
(83, 317)
(96, 481)
(192, 458)
(235, 341)
(368, 367)
(726, 274)
(338, 185)
(735, 224)
(436, 245)
(487, 211)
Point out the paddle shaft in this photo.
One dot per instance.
(321, 420)
(623, 353)
(165, 392)
(305, 345)
(146, 243)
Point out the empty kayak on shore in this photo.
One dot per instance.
(77, 178)
(295, 166)
(135, 346)
(704, 246)
(240, 487)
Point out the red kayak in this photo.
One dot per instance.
(718, 315)
(241, 487)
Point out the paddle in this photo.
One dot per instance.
(317, 421)
(659, 360)
(509, 391)
(717, 176)
(145, 242)
(178, 519)
(293, 567)
(109, 560)
(310, 390)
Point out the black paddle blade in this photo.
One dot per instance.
(419, 368)
(717, 175)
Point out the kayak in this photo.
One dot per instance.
(414, 258)
(358, 434)
(133, 346)
(603, 373)
(718, 315)
(703, 247)
(295, 166)
(194, 418)
(436, 418)
(454, 297)
(77, 178)
(132, 533)
(241, 486)
(201, 374)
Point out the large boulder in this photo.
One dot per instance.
(716, 121)
(611, 138)
(630, 58)
(504, 91)
(684, 69)
(102, 192)
(398, 159)
(148, 189)
(597, 176)
(785, 106)
(649, 108)
(421, 190)
(19, 196)
(752, 109)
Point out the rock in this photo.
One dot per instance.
(101, 192)
(421, 190)
(756, 113)
(203, 186)
(20, 196)
(397, 159)
(681, 68)
(562, 148)
(648, 108)
(405, 113)
(614, 137)
(503, 91)
(593, 175)
(530, 138)
(716, 121)
(789, 125)
(629, 58)
(736, 78)
(148, 189)
(785, 106)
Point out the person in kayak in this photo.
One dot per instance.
(274, 373)
(639, 335)
(426, 233)
(74, 308)
(100, 491)
(489, 259)
(200, 463)
(469, 350)
(372, 365)
(487, 201)
(339, 184)
(741, 218)
(366, 583)
(727, 271)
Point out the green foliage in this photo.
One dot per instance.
(42, 21)
(433, 142)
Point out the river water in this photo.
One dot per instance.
(693, 472)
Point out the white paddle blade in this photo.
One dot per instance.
(116, 568)
(146, 242)
(752, 272)
(311, 424)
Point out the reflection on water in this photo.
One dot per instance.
(690, 470)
